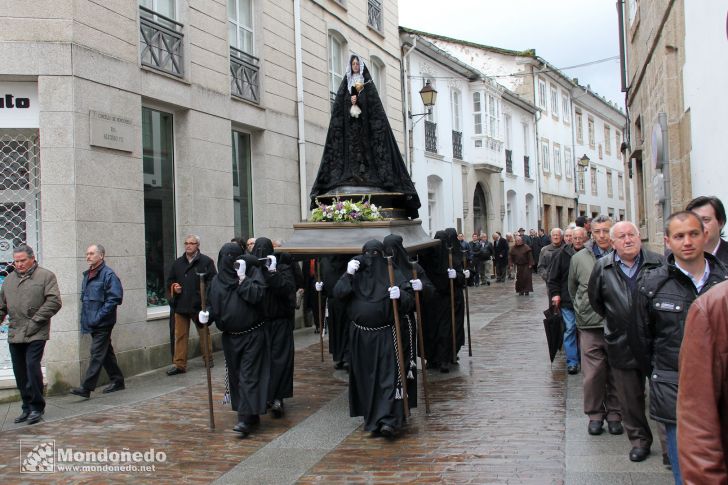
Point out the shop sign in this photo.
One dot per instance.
(19, 105)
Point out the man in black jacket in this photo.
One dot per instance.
(184, 287)
(500, 248)
(664, 297)
(712, 213)
(612, 291)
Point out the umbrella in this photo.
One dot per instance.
(553, 325)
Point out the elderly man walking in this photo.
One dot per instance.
(600, 394)
(547, 253)
(612, 292)
(30, 297)
(101, 293)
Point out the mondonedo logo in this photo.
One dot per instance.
(10, 102)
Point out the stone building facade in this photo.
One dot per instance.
(152, 120)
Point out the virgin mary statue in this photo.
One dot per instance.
(360, 150)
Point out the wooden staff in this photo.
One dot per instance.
(398, 338)
(320, 309)
(420, 338)
(206, 350)
(467, 307)
(452, 309)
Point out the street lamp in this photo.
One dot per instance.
(429, 96)
(584, 163)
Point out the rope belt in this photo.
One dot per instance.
(398, 392)
(255, 327)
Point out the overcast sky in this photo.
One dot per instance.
(563, 32)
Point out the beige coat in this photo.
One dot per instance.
(30, 301)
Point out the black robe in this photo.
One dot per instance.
(279, 305)
(337, 322)
(436, 310)
(363, 152)
(237, 311)
(375, 379)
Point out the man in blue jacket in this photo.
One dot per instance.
(101, 293)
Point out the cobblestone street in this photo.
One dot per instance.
(504, 415)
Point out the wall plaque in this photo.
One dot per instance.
(111, 131)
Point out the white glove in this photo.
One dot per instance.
(241, 269)
(394, 293)
(273, 263)
(352, 267)
(319, 285)
(451, 273)
(466, 272)
(203, 316)
(416, 284)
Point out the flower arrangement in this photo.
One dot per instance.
(346, 211)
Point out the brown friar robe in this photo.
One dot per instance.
(522, 257)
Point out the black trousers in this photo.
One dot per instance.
(28, 376)
(102, 356)
(500, 269)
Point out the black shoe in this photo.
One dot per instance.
(387, 431)
(639, 454)
(615, 427)
(339, 365)
(526, 293)
(572, 369)
(595, 427)
(242, 428)
(80, 391)
(116, 386)
(23, 417)
(174, 371)
(251, 420)
(666, 461)
(35, 417)
(445, 369)
(277, 408)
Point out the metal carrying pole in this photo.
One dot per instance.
(398, 338)
(421, 341)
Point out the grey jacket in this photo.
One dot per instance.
(580, 270)
(545, 258)
(30, 301)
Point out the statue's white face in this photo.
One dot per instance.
(355, 65)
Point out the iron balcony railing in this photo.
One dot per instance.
(457, 144)
(509, 161)
(526, 167)
(161, 40)
(375, 14)
(430, 136)
(244, 75)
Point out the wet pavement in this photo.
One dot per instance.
(504, 415)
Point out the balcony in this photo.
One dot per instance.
(375, 15)
(430, 136)
(509, 161)
(161, 42)
(457, 144)
(526, 167)
(244, 75)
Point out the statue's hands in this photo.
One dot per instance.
(353, 99)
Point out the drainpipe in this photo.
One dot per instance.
(300, 110)
(405, 105)
(667, 204)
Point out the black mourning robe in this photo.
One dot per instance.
(436, 310)
(237, 311)
(337, 322)
(375, 379)
(279, 305)
(363, 152)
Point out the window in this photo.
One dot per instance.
(542, 94)
(568, 162)
(242, 185)
(477, 114)
(493, 116)
(545, 163)
(579, 127)
(336, 64)
(240, 25)
(526, 137)
(507, 122)
(159, 217)
(580, 182)
(162, 7)
(374, 11)
(455, 105)
(608, 140)
(593, 177)
(557, 159)
(618, 143)
(161, 37)
(554, 102)
(565, 109)
(610, 188)
(377, 71)
(590, 123)
(620, 186)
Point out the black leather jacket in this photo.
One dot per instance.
(663, 299)
(611, 298)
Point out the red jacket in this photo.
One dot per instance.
(702, 404)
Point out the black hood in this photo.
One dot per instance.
(263, 247)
